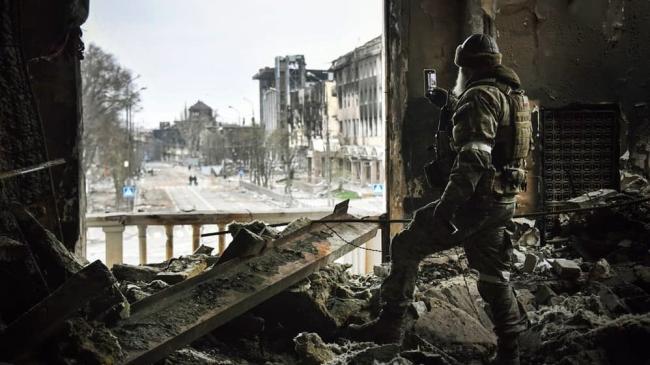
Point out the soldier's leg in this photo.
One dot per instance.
(408, 248)
(488, 252)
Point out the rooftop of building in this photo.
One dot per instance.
(200, 106)
(371, 48)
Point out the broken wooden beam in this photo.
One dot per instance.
(32, 329)
(48, 251)
(176, 316)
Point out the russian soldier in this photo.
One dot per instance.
(491, 135)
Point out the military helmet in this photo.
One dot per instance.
(478, 51)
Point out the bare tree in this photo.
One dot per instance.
(107, 94)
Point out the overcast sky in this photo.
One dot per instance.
(185, 50)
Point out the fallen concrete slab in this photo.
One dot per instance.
(35, 327)
(176, 316)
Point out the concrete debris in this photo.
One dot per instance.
(447, 324)
(245, 243)
(600, 271)
(530, 262)
(543, 295)
(203, 250)
(517, 257)
(566, 269)
(134, 273)
(600, 317)
(382, 270)
(311, 349)
(530, 237)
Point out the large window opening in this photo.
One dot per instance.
(199, 112)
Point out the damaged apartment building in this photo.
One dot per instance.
(275, 297)
(338, 113)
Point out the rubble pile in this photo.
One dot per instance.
(586, 293)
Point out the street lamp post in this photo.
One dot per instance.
(238, 113)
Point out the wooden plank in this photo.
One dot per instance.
(36, 326)
(181, 314)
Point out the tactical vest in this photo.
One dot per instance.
(513, 141)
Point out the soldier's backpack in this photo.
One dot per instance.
(513, 144)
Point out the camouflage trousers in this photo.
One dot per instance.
(481, 230)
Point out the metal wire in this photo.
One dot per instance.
(348, 242)
(523, 215)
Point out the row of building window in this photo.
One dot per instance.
(369, 128)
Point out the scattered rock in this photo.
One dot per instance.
(311, 349)
(134, 273)
(446, 324)
(244, 244)
(85, 343)
(544, 294)
(601, 270)
(566, 269)
(530, 263)
(203, 250)
(382, 270)
(378, 354)
(517, 256)
(531, 237)
(183, 268)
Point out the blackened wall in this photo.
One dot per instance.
(41, 116)
(579, 51)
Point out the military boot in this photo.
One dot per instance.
(387, 328)
(507, 351)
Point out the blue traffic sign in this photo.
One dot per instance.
(378, 189)
(128, 192)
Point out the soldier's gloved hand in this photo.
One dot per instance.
(438, 97)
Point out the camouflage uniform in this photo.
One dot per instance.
(469, 202)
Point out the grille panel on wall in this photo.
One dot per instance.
(580, 152)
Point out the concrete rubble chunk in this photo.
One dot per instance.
(543, 295)
(530, 263)
(134, 273)
(35, 327)
(600, 271)
(311, 349)
(376, 355)
(566, 269)
(382, 270)
(295, 225)
(530, 237)
(244, 244)
(183, 270)
(203, 250)
(518, 257)
(445, 323)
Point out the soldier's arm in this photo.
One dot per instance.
(476, 110)
(469, 168)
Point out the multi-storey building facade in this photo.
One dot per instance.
(335, 114)
(358, 77)
(282, 105)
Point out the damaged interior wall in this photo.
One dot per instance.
(41, 110)
(565, 52)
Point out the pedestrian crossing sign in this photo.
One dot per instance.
(378, 189)
(128, 192)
